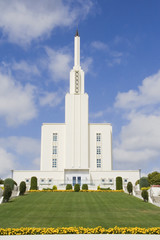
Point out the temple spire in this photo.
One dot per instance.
(77, 34)
(77, 49)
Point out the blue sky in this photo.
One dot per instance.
(120, 55)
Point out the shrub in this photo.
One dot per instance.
(68, 186)
(54, 187)
(119, 185)
(7, 193)
(33, 183)
(144, 195)
(129, 187)
(143, 182)
(10, 182)
(145, 188)
(22, 188)
(98, 188)
(105, 188)
(85, 187)
(76, 187)
(46, 189)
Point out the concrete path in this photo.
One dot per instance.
(84, 237)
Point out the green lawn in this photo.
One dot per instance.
(88, 209)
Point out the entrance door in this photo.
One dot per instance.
(79, 181)
(74, 180)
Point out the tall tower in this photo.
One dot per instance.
(76, 116)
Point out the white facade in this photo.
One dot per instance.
(76, 151)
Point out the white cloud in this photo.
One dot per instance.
(19, 153)
(147, 94)
(51, 98)
(6, 163)
(139, 139)
(59, 64)
(86, 64)
(26, 67)
(16, 101)
(100, 45)
(22, 21)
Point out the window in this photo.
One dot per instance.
(55, 137)
(98, 137)
(103, 180)
(54, 163)
(27, 180)
(98, 149)
(110, 180)
(42, 180)
(125, 180)
(54, 149)
(50, 180)
(98, 163)
(76, 82)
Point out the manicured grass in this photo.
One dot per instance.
(88, 209)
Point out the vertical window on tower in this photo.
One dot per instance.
(98, 163)
(98, 149)
(55, 137)
(54, 163)
(98, 137)
(54, 149)
(76, 82)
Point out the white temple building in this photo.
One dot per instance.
(76, 151)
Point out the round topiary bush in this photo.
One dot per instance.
(85, 187)
(129, 187)
(7, 193)
(119, 185)
(143, 182)
(54, 187)
(68, 186)
(22, 188)
(10, 182)
(76, 187)
(33, 183)
(144, 195)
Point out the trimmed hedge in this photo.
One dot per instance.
(10, 182)
(7, 193)
(129, 187)
(76, 187)
(119, 184)
(68, 186)
(144, 195)
(33, 183)
(22, 188)
(85, 187)
(54, 187)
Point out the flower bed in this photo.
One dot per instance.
(79, 230)
(73, 191)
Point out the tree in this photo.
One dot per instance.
(143, 182)
(153, 178)
(156, 179)
(22, 188)
(144, 195)
(10, 182)
(1, 181)
(129, 187)
(33, 183)
(119, 185)
(7, 192)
